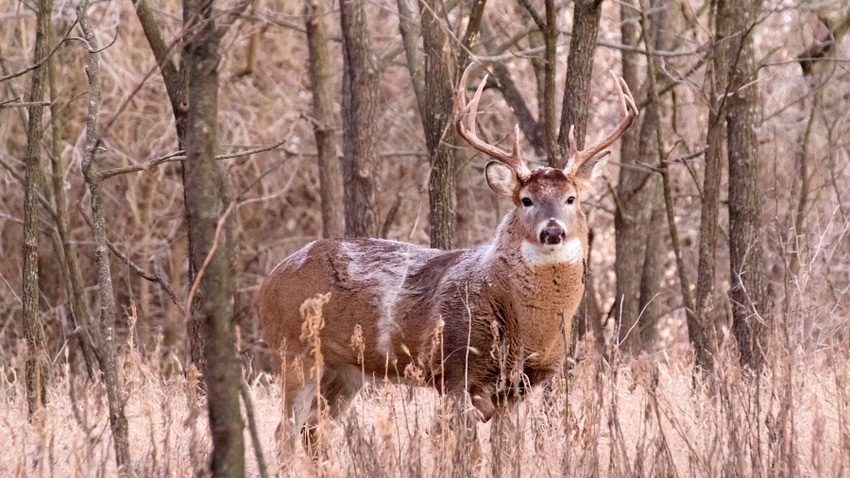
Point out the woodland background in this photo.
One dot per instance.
(160, 158)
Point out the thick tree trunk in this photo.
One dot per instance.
(436, 115)
(36, 361)
(360, 104)
(579, 75)
(207, 209)
(631, 217)
(748, 293)
(109, 362)
(574, 111)
(330, 167)
(650, 199)
(175, 79)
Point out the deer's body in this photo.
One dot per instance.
(489, 321)
(398, 293)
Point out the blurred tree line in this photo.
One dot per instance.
(724, 182)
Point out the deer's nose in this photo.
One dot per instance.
(552, 233)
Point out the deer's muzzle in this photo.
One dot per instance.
(552, 233)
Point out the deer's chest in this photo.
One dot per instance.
(545, 306)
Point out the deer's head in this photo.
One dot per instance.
(550, 221)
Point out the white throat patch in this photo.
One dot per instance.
(570, 252)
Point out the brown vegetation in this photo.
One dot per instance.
(634, 406)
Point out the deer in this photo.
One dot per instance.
(442, 312)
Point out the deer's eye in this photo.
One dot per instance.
(571, 199)
(527, 202)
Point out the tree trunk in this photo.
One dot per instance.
(109, 362)
(81, 315)
(439, 70)
(330, 167)
(650, 198)
(207, 210)
(360, 103)
(631, 217)
(36, 361)
(748, 292)
(661, 164)
(574, 112)
(579, 74)
(701, 332)
(175, 79)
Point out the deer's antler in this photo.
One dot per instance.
(465, 122)
(627, 105)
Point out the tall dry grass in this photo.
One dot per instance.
(620, 418)
(611, 416)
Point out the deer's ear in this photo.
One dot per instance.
(592, 171)
(501, 178)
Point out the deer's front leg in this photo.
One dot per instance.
(482, 400)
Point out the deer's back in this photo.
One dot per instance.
(372, 284)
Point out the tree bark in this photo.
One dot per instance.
(748, 292)
(651, 199)
(330, 167)
(175, 79)
(574, 111)
(207, 209)
(662, 165)
(630, 216)
(36, 361)
(579, 75)
(81, 315)
(360, 102)
(109, 362)
(701, 332)
(440, 65)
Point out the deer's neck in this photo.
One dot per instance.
(546, 286)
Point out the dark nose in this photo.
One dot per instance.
(553, 233)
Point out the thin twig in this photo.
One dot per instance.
(252, 428)
(23, 104)
(42, 61)
(151, 277)
(180, 156)
(197, 282)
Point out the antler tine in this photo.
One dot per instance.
(465, 123)
(630, 112)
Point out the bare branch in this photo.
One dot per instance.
(151, 277)
(181, 156)
(42, 61)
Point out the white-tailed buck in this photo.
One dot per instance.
(460, 320)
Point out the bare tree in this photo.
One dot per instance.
(701, 331)
(748, 292)
(208, 208)
(330, 167)
(435, 109)
(69, 258)
(579, 75)
(175, 75)
(109, 364)
(36, 362)
(630, 236)
(360, 99)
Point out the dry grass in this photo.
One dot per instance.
(624, 416)
(644, 418)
